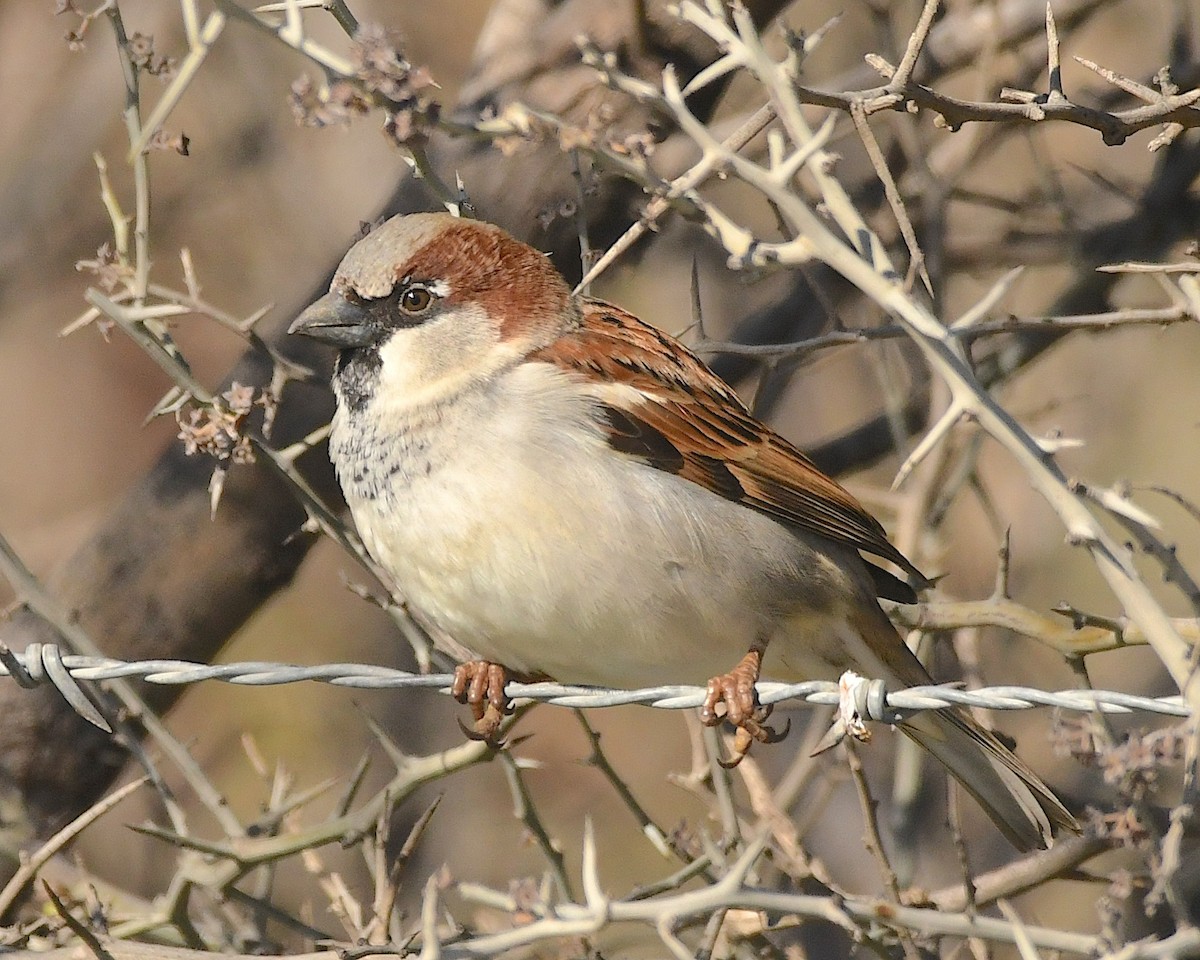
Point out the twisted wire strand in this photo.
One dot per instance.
(45, 663)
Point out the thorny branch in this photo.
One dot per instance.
(861, 260)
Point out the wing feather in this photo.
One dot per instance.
(674, 413)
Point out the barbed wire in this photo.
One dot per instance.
(45, 663)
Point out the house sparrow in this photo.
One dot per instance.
(570, 493)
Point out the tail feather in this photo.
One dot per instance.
(1016, 799)
(1022, 806)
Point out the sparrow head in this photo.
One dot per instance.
(427, 303)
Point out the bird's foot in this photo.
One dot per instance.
(736, 691)
(480, 684)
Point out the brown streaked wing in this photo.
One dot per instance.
(689, 422)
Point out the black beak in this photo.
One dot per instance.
(335, 320)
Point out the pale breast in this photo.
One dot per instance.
(508, 521)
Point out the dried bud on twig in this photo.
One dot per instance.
(1142, 755)
(314, 107)
(141, 52)
(106, 267)
(216, 429)
(161, 140)
(1120, 825)
(385, 71)
(1075, 737)
(1135, 761)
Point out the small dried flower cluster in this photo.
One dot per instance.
(141, 52)
(313, 106)
(216, 428)
(1137, 760)
(522, 127)
(639, 145)
(1124, 826)
(1142, 756)
(384, 70)
(1132, 766)
(75, 37)
(594, 132)
(385, 78)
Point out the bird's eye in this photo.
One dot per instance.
(415, 300)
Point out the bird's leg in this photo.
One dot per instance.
(480, 684)
(736, 691)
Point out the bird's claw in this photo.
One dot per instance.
(484, 730)
(480, 684)
(737, 692)
(753, 730)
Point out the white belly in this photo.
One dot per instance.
(540, 550)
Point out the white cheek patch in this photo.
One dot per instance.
(432, 360)
(400, 369)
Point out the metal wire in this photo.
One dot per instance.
(45, 663)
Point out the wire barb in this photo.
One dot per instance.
(43, 663)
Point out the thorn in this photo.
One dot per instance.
(591, 877)
(216, 486)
